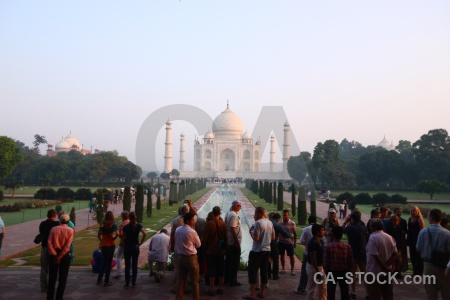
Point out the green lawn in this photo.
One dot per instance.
(410, 195)
(85, 241)
(31, 214)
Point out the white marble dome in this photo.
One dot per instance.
(228, 123)
(71, 140)
(62, 145)
(209, 135)
(246, 136)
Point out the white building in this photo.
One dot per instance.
(227, 151)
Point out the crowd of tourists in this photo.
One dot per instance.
(209, 250)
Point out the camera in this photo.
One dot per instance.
(186, 201)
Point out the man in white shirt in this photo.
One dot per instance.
(233, 255)
(158, 252)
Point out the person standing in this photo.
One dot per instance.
(274, 251)
(381, 254)
(119, 252)
(315, 265)
(337, 260)
(287, 244)
(44, 230)
(233, 255)
(59, 241)
(107, 235)
(304, 239)
(2, 234)
(158, 252)
(415, 225)
(434, 238)
(328, 223)
(356, 232)
(186, 243)
(262, 233)
(215, 235)
(131, 248)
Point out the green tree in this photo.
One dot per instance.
(302, 214)
(158, 202)
(139, 206)
(99, 206)
(266, 191)
(432, 153)
(83, 194)
(274, 198)
(261, 190)
(293, 192)
(313, 203)
(126, 203)
(175, 172)
(280, 202)
(149, 203)
(38, 140)
(269, 193)
(9, 156)
(298, 166)
(65, 193)
(171, 193)
(431, 187)
(152, 174)
(13, 186)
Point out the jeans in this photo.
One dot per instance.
(44, 268)
(274, 255)
(303, 276)
(61, 269)
(232, 262)
(131, 261)
(188, 265)
(108, 254)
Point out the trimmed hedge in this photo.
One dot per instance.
(45, 194)
(84, 194)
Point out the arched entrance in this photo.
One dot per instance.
(227, 160)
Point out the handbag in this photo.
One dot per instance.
(438, 258)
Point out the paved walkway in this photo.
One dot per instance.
(23, 283)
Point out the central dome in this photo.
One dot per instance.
(228, 123)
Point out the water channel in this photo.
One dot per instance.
(223, 197)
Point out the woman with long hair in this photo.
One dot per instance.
(415, 225)
(131, 248)
(107, 235)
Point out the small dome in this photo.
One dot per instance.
(246, 136)
(228, 123)
(384, 143)
(286, 123)
(391, 146)
(62, 145)
(71, 140)
(209, 135)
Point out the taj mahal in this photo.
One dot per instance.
(228, 152)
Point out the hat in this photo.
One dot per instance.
(64, 218)
(332, 210)
(236, 202)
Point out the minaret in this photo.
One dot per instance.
(286, 145)
(272, 153)
(182, 152)
(168, 152)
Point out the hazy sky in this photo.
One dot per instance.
(341, 69)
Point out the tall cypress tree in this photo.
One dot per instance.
(280, 197)
(313, 203)
(99, 210)
(127, 198)
(261, 190)
(149, 203)
(171, 193)
(269, 200)
(274, 200)
(302, 214)
(293, 192)
(266, 191)
(73, 215)
(139, 206)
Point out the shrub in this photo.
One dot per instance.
(397, 198)
(73, 215)
(381, 198)
(1, 195)
(45, 193)
(139, 206)
(83, 194)
(99, 208)
(345, 196)
(363, 198)
(36, 203)
(9, 208)
(126, 199)
(65, 193)
(58, 208)
(149, 203)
